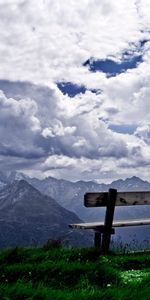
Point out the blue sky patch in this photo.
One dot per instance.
(143, 42)
(125, 128)
(112, 68)
(71, 89)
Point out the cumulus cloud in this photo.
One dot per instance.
(29, 127)
(18, 127)
(45, 42)
(143, 132)
(72, 145)
(48, 40)
(18, 113)
(57, 129)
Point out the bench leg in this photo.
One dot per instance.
(112, 196)
(97, 239)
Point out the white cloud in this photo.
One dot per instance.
(19, 113)
(18, 127)
(48, 128)
(80, 143)
(73, 146)
(57, 129)
(47, 41)
(143, 132)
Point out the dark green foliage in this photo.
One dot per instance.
(56, 273)
(51, 243)
(14, 255)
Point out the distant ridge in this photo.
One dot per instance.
(70, 194)
(26, 215)
(128, 183)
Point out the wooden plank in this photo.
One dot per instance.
(97, 239)
(112, 196)
(136, 222)
(123, 198)
(133, 198)
(87, 225)
(95, 199)
(118, 223)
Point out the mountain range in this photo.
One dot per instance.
(28, 217)
(69, 196)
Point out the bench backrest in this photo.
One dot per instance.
(111, 199)
(123, 198)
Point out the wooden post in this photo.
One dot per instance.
(112, 196)
(97, 239)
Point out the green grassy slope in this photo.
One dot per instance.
(69, 274)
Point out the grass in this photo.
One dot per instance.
(56, 273)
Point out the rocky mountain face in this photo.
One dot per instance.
(70, 195)
(131, 184)
(8, 177)
(28, 217)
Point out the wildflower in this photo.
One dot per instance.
(108, 285)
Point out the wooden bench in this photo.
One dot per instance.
(110, 199)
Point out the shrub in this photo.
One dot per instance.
(51, 244)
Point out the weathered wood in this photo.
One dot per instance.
(112, 196)
(123, 198)
(110, 200)
(118, 223)
(93, 225)
(95, 199)
(136, 222)
(97, 239)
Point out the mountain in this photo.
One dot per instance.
(131, 184)
(26, 216)
(70, 195)
(10, 176)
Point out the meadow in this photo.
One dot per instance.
(57, 273)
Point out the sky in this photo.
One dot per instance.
(75, 88)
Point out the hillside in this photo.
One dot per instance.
(27, 217)
(76, 274)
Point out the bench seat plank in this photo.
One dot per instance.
(118, 223)
(123, 198)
